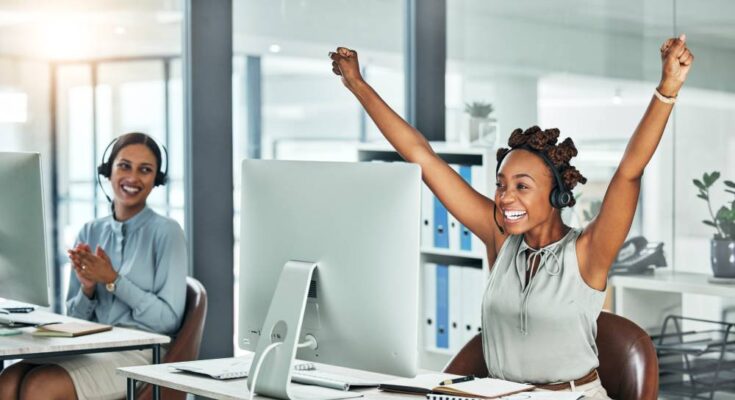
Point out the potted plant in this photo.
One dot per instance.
(723, 243)
(482, 128)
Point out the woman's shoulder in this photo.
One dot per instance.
(163, 225)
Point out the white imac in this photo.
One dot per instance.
(23, 252)
(329, 259)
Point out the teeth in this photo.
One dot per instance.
(514, 214)
(131, 189)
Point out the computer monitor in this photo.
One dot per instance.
(360, 224)
(23, 252)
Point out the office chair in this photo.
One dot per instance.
(185, 347)
(628, 363)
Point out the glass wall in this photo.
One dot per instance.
(305, 112)
(74, 75)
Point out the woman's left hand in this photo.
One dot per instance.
(96, 267)
(676, 61)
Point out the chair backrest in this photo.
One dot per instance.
(185, 347)
(628, 363)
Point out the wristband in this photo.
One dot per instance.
(664, 99)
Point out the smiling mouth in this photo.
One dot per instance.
(131, 190)
(514, 215)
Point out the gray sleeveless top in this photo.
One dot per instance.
(543, 332)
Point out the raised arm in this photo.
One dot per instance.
(605, 234)
(470, 208)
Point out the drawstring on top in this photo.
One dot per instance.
(542, 255)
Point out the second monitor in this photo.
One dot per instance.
(360, 224)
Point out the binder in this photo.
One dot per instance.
(442, 306)
(472, 287)
(427, 217)
(465, 236)
(457, 300)
(441, 220)
(478, 183)
(429, 305)
(454, 225)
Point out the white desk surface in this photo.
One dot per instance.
(676, 282)
(236, 389)
(25, 343)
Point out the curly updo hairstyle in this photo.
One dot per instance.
(545, 141)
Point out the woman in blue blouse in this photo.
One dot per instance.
(129, 269)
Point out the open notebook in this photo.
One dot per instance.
(428, 384)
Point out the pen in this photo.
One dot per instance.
(457, 380)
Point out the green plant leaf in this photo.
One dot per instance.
(710, 223)
(714, 177)
(699, 184)
(730, 184)
(730, 191)
(703, 196)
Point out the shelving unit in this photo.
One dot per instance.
(484, 159)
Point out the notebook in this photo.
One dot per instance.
(70, 329)
(486, 388)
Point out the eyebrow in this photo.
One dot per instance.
(144, 163)
(519, 176)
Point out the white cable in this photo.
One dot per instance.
(260, 362)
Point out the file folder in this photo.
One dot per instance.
(457, 299)
(473, 287)
(454, 225)
(427, 217)
(465, 236)
(442, 306)
(478, 183)
(429, 305)
(441, 221)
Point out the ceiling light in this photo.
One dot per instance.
(274, 48)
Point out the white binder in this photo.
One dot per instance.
(472, 286)
(428, 295)
(427, 217)
(457, 300)
(454, 226)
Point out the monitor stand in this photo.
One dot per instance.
(283, 324)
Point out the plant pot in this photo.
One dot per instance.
(482, 131)
(723, 258)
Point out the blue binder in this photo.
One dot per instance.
(465, 238)
(442, 306)
(441, 225)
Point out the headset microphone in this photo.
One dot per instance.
(495, 218)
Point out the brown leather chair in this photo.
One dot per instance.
(185, 347)
(628, 363)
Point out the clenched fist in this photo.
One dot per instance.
(676, 60)
(345, 64)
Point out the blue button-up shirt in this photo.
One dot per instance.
(148, 251)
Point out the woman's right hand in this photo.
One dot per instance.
(88, 286)
(346, 65)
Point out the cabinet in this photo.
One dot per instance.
(454, 265)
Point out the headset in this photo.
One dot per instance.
(560, 196)
(105, 168)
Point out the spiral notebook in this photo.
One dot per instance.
(429, 384)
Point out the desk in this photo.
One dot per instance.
(27, 346)
(235, 389)
(647, 299)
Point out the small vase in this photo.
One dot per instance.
(723, 258)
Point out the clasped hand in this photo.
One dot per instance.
(676, 62)
(91, 268)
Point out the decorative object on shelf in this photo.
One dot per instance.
(483, 130)
(722, 244)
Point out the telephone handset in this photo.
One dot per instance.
(638, 256)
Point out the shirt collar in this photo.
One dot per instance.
(131, 225)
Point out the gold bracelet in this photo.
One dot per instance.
(664, 99)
